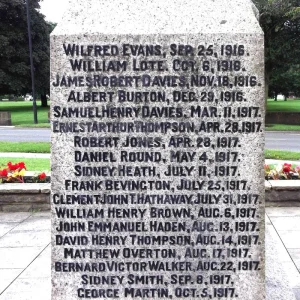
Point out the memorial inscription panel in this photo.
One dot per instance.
(157, 187)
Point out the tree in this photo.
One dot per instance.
(15, 75)
(280, 21)
(285, 81)
(279, 84)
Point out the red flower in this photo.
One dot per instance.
(42, 176)
(287, 168)
(3, 173)
(22, 165)
(12, 167)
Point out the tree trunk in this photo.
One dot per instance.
(44, 100)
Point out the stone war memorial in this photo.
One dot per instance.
(157, 120)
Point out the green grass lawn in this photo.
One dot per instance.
(282, 127)
(291, 105)
(32, 164)
(28, 147)
(22, 113)
(282, 155)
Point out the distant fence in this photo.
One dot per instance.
(288, 118)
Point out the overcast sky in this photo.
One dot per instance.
(53, 9)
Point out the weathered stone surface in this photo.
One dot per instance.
(14, 217)
(5, 118)
(277, 285)
(21, 197)
(25, 238)
(41, 207)
(18, 258)
(282, 196)
(287, 185)
(29, 188)
(24, 207)
(283, 193)
(15, 202)
(268, 185)
(29, 289)
(159, 17)
(25, 198)
(200, 129)
(6, 227)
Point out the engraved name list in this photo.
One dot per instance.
(156, 192)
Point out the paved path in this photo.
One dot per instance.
(25, 253)
(12, 134)
(289, 141)
(25, 256)
(24, 155)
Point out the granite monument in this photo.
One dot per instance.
(157, 117)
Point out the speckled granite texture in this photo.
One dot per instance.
(159, 17)
(202, 62)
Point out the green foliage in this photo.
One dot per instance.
(280, 21)
(14, 50)
(25, 147)
(284, 81)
